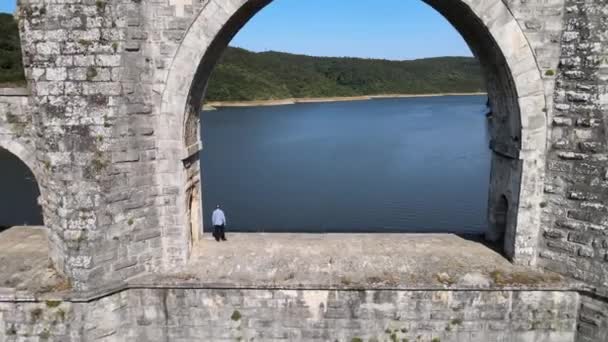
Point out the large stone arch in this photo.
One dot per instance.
(515, 90)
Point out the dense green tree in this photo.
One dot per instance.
(11, 69)
(244, 75)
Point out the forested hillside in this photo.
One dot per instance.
(11, 70)
(244, 75)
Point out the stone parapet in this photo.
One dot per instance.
(170, 314)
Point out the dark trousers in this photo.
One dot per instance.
(218, 233)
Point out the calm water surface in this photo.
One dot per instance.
(390, 165)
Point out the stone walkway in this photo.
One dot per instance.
(351, 261)
(24, 261)
(355, 261)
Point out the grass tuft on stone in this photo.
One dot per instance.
(10, 331)
(456, 321)
(91, 73)
(53, 303)
(36, 314)
(101, 6)
(44, 335)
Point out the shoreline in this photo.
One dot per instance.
(283, 102)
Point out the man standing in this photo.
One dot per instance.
(219, 223)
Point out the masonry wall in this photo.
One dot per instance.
(592, 320)
(575, 216)
(112, 166)
(302, 315)
(94, 137)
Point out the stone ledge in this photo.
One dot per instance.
(157, 282)
(343, 262)
(352, 261)
(14, 92)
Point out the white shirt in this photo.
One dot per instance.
(218, 218)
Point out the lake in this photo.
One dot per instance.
(384, 165)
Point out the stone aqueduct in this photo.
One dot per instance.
(110, 127)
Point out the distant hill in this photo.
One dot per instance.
(243, 75)
(11, 70)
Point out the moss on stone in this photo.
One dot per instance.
(91, 73)
(236, 316)
(36, 314)
(14, 120)
(60, 314)
(356, 339)
(10, 331)
(85, 43)
(456, 321)
(53, 303)
(11, 118)
(550, 72)
(345, 281)
(522, 278)
(45, 334)
(101, 6)
(97, 164)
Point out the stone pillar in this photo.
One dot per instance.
(575, 213)
(95, 136)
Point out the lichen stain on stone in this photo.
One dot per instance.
(316, 301)
(442, 296)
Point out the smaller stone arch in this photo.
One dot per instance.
(26, 247)
(17, 200)
(26, 154)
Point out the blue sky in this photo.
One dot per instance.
(391, 29)
(7, 6)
